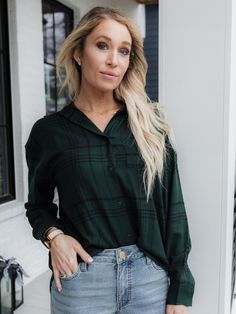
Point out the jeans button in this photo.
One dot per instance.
(122, 254)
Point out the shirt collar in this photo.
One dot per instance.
(75, 115)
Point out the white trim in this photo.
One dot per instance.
(10, 210)
(228, 164)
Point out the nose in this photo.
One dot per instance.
(112, 58)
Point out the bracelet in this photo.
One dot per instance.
(48, 230)
(55, 233)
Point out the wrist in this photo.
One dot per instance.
(48, 230)
(54, 240)
(50, 235)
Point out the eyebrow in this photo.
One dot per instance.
(109, 39)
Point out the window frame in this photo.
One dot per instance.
(6, 102)
(58, 5)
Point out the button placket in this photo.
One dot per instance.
(110, 151)
(111, 168)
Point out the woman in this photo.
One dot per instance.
(110, 153)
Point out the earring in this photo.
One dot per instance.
(79, 62)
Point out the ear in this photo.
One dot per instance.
(76, 55)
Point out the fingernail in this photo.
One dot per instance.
(59, 289)
(90, 259)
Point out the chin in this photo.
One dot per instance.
(107, 88)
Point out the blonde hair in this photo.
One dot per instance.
(146, 118)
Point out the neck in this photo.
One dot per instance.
(97, 102)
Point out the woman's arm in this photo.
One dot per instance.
(177, 240)
(42, 212)
(40, 209)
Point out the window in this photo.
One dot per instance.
(57, 24)
(7, 180)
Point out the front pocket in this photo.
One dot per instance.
(73, 275)
(154, 265)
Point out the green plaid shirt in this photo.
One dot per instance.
(102, 202)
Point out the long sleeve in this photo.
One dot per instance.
(177, 241)
(40, 209)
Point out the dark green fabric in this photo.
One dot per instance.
(102, 202)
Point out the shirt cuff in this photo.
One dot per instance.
(181, 288)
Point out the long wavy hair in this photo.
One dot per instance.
(146, 118)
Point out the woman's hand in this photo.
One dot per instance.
(176, 309)
(64, 249)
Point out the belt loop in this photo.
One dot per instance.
(83, 266)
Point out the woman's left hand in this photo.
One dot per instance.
(176, 309)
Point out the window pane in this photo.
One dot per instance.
(50, 90)
(60, 29)
(48, 41)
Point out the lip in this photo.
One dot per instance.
(108, 73)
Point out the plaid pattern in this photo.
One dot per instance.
(102, 203)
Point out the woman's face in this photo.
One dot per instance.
(107, 49)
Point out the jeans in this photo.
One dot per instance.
(121, 280)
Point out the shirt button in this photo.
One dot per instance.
(111, 168)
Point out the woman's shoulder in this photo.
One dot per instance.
(44, 128)
(47, 122)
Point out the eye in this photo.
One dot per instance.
(101, 45)
(125, 52)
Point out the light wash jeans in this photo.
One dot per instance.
(122, 280)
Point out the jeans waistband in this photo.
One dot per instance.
(120, 254)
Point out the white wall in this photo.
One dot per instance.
(195, 87)
(28, 102)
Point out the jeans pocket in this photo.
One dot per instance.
(154, 265)
(73, 275)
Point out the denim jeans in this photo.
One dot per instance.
(123, 280)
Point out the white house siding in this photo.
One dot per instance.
(28, 102)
